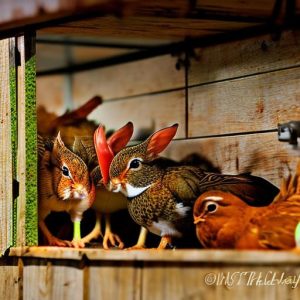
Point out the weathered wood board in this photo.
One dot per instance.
(44, 279)
(148, 113)
(250, 56)
(247, 104)
(168, 274)
(6, 161)
(116, 280)
(143, 77)
(11, 278)
(151, 27)
(261, 154)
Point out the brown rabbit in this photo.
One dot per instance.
(105, 202)
(64, 185)
(161, 197)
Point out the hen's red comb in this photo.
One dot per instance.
(106, 149)
(104, 153)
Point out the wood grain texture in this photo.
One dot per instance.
(248, 8)
(146, 76)
(156, 27)
(43, 279)
(19, 13)
(155, 279)
(212, 256)
(10, 278)
(148, 113)
(260, 154)
(135, 15)
(6, 176)
(250, 56)
(114, 280)
(247, 104)
(198, 281)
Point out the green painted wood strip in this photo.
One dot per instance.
(14, 137)
(31, 217)
(27, 210)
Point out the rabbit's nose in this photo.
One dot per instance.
(80, 191)
(115, 185)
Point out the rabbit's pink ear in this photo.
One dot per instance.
(159, 140)
(119, 139)
(104, 153)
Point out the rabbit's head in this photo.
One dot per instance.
(133, 170)
(70, 173)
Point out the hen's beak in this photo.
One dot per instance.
(104, 153)
(199, 219)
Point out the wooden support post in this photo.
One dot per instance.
(6, 176)
(27, 233)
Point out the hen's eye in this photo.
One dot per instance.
(211, 207)
(65, 171)
(135, 164)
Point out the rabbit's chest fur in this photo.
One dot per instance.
(158, 211)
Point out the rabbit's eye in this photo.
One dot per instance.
(65, 171)
(134, 164)
(211, 207)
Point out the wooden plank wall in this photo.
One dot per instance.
(40, 278)
(6, 160)
(237, 93)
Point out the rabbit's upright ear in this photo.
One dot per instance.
(159, 140)
(58, 141)
(119, 139)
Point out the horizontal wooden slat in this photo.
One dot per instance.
(181, 256)
(244, 57)
(256, 8)
(129, 79)
(247, 8)
(37, 13)
(147, 27)
(260, 154)
(148, 113)
(248, 104)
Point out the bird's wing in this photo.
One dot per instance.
(183, 183)
(277, 228)
(190, 181)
